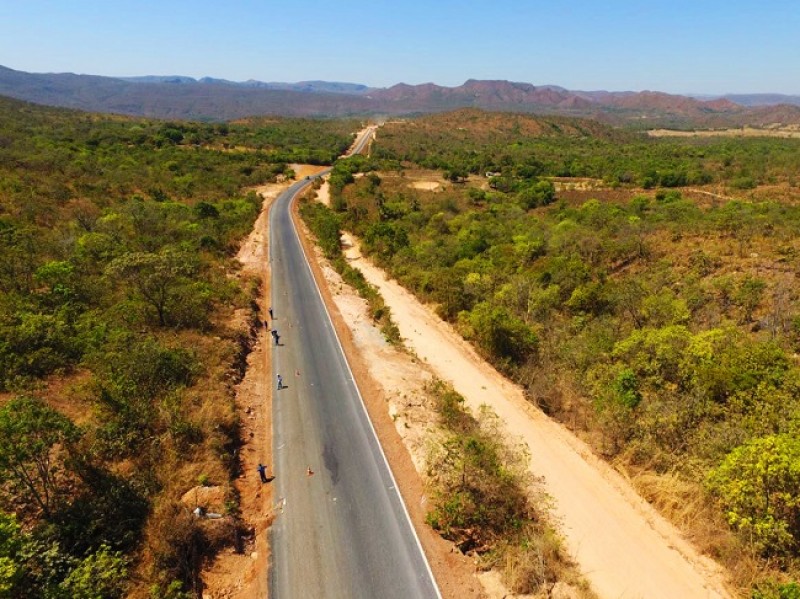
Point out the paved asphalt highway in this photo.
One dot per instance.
(343, 531)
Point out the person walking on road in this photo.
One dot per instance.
(262, 472)
(280, 382)
(271, 317)
(276, 336)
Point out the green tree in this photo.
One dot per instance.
(655, 354)
(626, 389)
(456, 174)
(789, 590)
(33, 344)
(758, 487)
(58, 279)
(157, 278)
(500, 333)
(11, 543)
(385, 239)
(34, 440)
(100, 575)
(664, 309)
(748, 296)
(540, 193)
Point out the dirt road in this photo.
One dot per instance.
(622, 546)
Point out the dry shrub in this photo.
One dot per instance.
(480, 498)
(530, 565)
(179, 543)
(176, 544)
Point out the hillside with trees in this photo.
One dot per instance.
(660, 323)
(123, 328)
(524, 146)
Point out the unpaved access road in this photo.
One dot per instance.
(621, 544)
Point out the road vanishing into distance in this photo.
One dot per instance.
(342, 530)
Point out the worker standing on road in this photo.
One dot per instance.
(270, 314)
(280, 382)
(275, 336)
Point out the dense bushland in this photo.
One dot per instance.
(666, 330)
(118, 342)
(304, 141)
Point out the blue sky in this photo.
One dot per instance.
(678, 46)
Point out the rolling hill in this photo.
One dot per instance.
(179, 97)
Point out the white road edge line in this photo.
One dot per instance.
(358, 391)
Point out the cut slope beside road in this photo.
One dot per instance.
(623, 547)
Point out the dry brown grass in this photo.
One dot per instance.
(176, 543)
(687, 506)
(537, 565)
(783, 131)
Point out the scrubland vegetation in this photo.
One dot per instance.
(663, 329)
(326, 228)
(122, 333)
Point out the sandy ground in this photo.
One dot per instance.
(621, 544)
(324, 193)
(426, 185)
(575, 183)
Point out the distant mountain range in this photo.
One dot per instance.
(179, 97)
(332, 87)
(755, 99)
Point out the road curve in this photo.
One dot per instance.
(343, 531)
